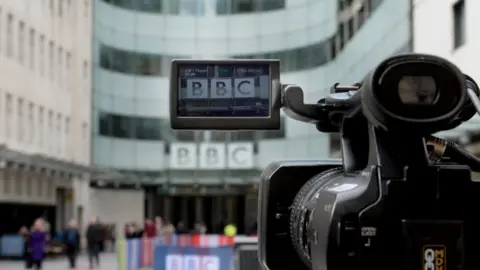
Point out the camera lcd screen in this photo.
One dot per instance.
(227, 90)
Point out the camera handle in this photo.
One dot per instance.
(323, 113)
(294, 106)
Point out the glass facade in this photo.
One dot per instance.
(295, 59)
(197, 7)
(318, 42)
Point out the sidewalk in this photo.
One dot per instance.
(108, 262)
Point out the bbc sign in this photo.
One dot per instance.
(220, 88)
(211, 156)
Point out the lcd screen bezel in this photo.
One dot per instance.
(227, 123)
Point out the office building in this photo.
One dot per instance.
(451, 34)
(319, 42)
(45, 94)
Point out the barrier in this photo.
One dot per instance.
(193, 258)
(134, 254)
(11, 246)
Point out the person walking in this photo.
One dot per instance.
(37, 244)
(71, 239)
(94, 237)
(25, 234)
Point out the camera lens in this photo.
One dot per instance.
(302, 209)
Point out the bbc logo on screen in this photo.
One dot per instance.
(220, 88)
(192, 262)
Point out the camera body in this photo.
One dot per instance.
(363, 220)
(397, 199)
(388, 203)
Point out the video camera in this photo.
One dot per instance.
(399, 197)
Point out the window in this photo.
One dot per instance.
(132, 62)
(146, 128)
(60, 8)
(122, 126)
(41, 126)
(351, 28)
(243, 6)
(51, 60)
(84, 131)
(341, 35)
(85, 139)
(31, 49)
(268, 5)
(21, 42)
(50, 132)
(68, 60)
(9, 38)
(341, 5)
(8, 116)
(129, 127)
(459, 31)
(104, 121)
(360, 16)
(58, 128)
(60, 66)
(41, 56)
(66, 141)
(20, 120)
(85, 70)
(31, 124)
(86, 6)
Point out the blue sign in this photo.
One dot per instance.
(11, 246)
(192, 258)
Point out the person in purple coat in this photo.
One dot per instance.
(37, 244)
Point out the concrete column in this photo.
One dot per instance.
(199, 209)
(167, 206)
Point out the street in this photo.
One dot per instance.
(108, 262)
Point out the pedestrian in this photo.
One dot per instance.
(150, 230)
(71, 239)
(158, 225)
(94, 237)
(25, 234)
(181, 228)
(37, 244)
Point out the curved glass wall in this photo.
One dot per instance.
(130, 114)
(158, 129)
(197, 7)
(296, 59)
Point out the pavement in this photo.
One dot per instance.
(108, 261)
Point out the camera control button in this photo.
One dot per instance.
(349, 238)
